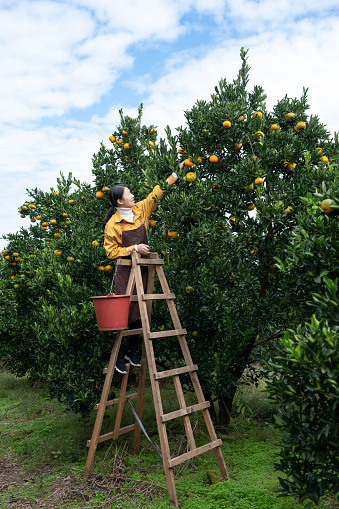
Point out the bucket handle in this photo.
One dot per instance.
(116, 268)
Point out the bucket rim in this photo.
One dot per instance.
(111, 296)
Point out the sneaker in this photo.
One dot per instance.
(120, 366)
(132, 357)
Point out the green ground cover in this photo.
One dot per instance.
(43, 455)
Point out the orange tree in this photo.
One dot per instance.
(234, 209)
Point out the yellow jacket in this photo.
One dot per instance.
(116, 225)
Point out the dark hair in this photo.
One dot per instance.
(114, 194)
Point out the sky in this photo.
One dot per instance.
(67, 67)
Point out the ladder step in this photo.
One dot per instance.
(195, 452)
(116, 400)
(149, 261)
(184, 411)
(158, 296)
(141, 261)
(132, 332)
(167, 333)
(107, 436)
(175, 371)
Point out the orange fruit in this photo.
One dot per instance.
(112, 139)
(195, 333)
(126, 146)
(4, 252)
(290, 116)
(70, 258)
(172, 234)
(250, 187)
(181, 150)
(242, 117)
(33, 219)
(44, 227)
(325, 206)
(71, 202)
(108, 268)
(44, 224)
(214, 158)
(38, 217)
(300, 126)
(257, 113)
(151, 143)
(99, 194)
(125, 133)
(251, 206)
(199, 160)
(152, 223)
(324, 159)
(153, 130)
(237, 146)
(254, 158)
(57, 252)
(227, 124)
(258, 135)
(188, 162)
(16, 255)
(101, 267)
(95, 243)
(259, 181)
(32, 206)
(53, 221)
(119, 141)
(24, 207)
(191, 177)
(7, 258)
(64, 214)
(275, 127)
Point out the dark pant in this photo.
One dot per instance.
(133, 340)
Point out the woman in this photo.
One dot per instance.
(125, 233)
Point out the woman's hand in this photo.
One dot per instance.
(143, 249)
(182, 165)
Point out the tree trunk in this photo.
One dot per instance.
(225, 409)
(213, 414)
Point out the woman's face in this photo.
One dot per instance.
(127, 200)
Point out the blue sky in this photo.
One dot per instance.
(67, 67)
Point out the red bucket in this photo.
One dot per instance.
(111, 311)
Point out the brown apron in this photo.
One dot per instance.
(129, 238)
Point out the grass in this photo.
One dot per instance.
(43, 455)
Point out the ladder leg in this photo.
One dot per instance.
(102, 405)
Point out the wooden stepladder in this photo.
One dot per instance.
(147, 358)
